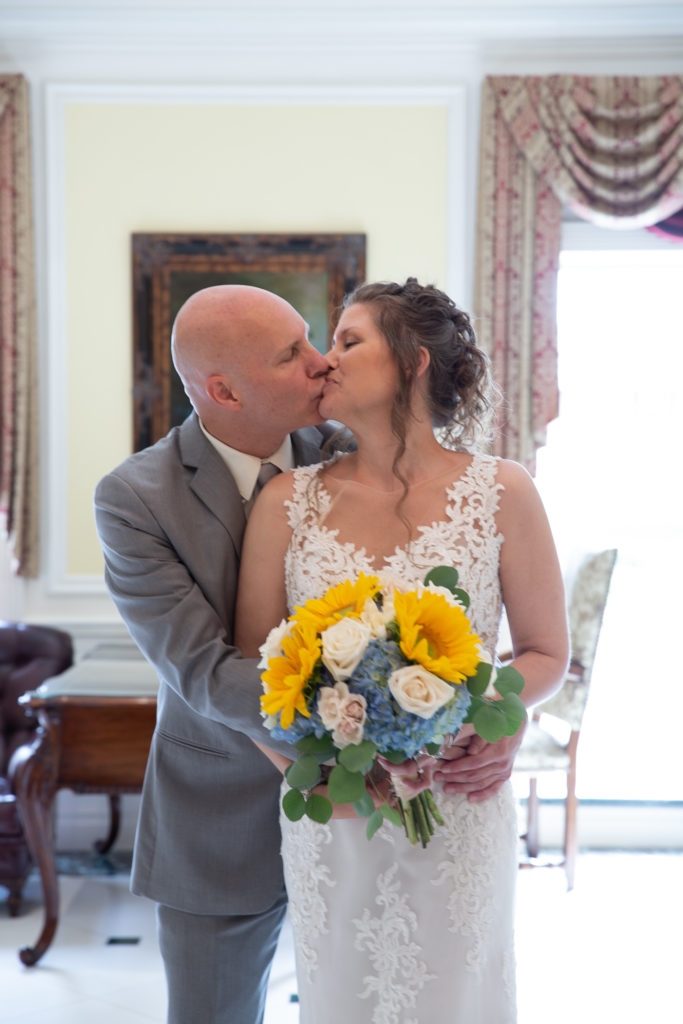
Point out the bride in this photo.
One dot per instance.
(386, 932)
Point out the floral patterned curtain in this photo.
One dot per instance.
(609, 148)
(18, 412)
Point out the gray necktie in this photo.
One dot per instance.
(266, 472)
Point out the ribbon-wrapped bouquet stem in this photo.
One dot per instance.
(371, 669)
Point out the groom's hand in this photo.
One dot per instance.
(482, 769)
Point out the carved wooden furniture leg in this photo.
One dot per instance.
(14, 898)
(105, 845)
(36, 784)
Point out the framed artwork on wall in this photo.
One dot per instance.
(312, 272)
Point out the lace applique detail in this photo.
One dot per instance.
(467, 538)
(400, 973)
(308, 913)
(475, 840)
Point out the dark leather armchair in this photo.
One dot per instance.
(28, 656)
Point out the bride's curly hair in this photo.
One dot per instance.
(460, 389)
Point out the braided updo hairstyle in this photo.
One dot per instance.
(411, 316)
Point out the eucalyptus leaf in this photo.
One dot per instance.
(365, 806)
(294, 804)
(509, 680)
(358, 757)
(394, 756)
(477, 683)
(443, 576)
(304, 772)
(391, 814)
(490, 722)
(320, 746)
(345, 787)
(374, 822)
(318, 808)
(463, 597)
(514, 711)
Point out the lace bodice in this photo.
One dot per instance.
(467, 537)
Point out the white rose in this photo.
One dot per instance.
(388, 581)
(343, 646)
(272, 645)
(373, 618)
(418, 691)
(432, 588)
(388, 612)
(490, 690)
(351, 719)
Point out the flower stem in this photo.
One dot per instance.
(431, 804)
(409, 823)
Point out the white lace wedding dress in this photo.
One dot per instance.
(388, 933)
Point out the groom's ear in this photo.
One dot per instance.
(423, 361)
(220, 391)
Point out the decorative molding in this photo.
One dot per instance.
(325, 26)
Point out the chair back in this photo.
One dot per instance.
(586, 611)
(28, 656)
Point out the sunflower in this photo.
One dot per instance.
(437, 635)
(286, 676)
(346, 598)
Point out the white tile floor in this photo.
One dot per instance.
(610, 950)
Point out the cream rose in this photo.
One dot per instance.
(374, 619)
(272, 645)
(432, 588)
(351, 721)
(418, 691)
(490, 690)
(343, 646)
(342, 712)
(329, 703)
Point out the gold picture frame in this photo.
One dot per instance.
(312, 271)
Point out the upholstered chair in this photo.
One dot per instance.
(28, 656)
(544, 748)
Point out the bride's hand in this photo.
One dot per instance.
(413, 775)
(456, 746)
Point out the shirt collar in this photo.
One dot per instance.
(245, 468)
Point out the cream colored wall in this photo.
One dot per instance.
(147, 167)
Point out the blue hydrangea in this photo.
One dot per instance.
(387, 724)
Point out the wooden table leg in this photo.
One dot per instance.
(105, 845)
(36, 785)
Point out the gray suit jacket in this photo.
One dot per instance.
(170, 521)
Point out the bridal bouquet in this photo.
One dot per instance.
(372, 669)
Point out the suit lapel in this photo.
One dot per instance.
(212, 482)
(306, 445)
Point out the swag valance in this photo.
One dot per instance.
(610, 149)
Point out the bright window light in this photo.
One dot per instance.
(610, 476)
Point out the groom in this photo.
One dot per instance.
(170, 520)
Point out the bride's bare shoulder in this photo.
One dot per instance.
(514, 477)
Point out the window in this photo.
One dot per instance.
(610, 477)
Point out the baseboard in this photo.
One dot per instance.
(602, 825)
(610, 825)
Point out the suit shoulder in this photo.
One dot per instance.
(149, 461)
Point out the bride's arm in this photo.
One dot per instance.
(261, 594)
(533, 593)
(532, 587)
